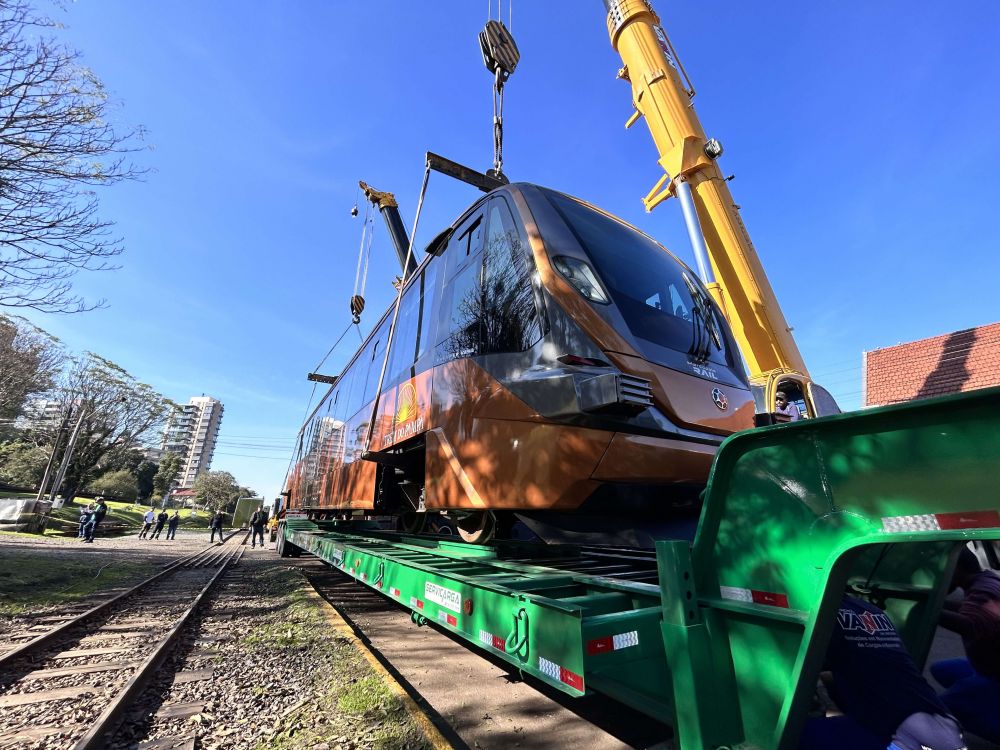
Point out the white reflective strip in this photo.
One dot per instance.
(486, 638)
(624, 640)
(413, 601)
(899, 524)
(394, 592)
(736, 594)
(443, 616)
(549, 668)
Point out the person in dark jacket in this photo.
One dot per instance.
(886, 701)
(972, 685)
(100, 511)
(161, 521)
(172, 525)
(257, 523)
(216, 525)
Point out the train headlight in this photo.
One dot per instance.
(582, 277)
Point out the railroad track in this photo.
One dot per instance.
(97, 662)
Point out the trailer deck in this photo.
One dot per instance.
(724, 637)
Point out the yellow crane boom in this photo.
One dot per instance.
(727, 262)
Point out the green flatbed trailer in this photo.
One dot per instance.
(724, 637)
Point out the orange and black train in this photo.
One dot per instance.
(550, 362)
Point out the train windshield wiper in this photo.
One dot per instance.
(706, 323)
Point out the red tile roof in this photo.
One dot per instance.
(951, 363)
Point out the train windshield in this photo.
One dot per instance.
(660, 300)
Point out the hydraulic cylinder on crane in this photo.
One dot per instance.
(726, 260)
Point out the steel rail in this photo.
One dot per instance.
(58, 630)
(107, 722)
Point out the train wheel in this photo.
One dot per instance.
(412, 523)
(477, 528)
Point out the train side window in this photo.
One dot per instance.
(359, 375)
(404, 340)
(428, 293)
(509, 320)
(377, 354)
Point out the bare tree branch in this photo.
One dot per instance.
(56, 145)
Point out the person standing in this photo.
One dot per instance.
(147, 523)
(216, 526)
(100, 511)
(257, 523)
(161, 519)
(172, 525)
(972, 685)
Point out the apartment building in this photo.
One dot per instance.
(191, 434)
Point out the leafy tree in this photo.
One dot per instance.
(57, 142)
(144, 475)
(216, 489)
(119, 414)
(120, 485)
(30, 359)
(22, 463)
(170, 467)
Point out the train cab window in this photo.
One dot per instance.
(465, 243)
(509, 318)
(650, 287)
(465, 314)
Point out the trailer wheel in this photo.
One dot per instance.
(477, 528)
(410, 522)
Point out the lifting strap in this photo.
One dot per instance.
(366, 453)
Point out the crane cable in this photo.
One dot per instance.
(364, 255)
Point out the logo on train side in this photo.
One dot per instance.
(406, 405)
(409, 421)
(720, 399)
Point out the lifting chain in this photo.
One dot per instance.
(500, 54)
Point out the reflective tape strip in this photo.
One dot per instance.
(448, 619)
(493, 641)
(736, 594)
(975, 519)
(753, 596)
(613, 642)
(560, 673)
(416, 603)
(364, 576)
(626, 640)
(394, 592)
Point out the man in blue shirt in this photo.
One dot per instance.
(885, 699)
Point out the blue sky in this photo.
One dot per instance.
(863, 137)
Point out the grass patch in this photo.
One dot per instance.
(30, 580)
(349, 698)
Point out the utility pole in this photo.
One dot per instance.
(52, 456)
(68, 455)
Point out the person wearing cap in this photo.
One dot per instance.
(972, 685)
(886, 702)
